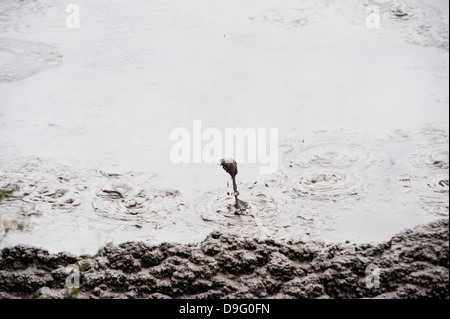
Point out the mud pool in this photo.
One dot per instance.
(86, 115)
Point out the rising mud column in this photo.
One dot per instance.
(230, 166)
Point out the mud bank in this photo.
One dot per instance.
(413, 264)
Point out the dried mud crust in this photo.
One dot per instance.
(413, 264)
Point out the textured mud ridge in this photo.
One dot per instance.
(413, 264)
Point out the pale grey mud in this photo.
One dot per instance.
(356, 90)
(330, 186)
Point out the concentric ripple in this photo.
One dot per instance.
(329, 154)
(326, 186)
(431, 190)
(435, 135)
(61, 198)
(428, 178)
(436, 157)
(439, 184)
(29, 58)
(266, 214)
(39, 190)
(123, 201)
(393, 13)
(289, 17)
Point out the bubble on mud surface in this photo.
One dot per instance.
(393, 13)
(329, 154)
(118, 189)
(28, 59)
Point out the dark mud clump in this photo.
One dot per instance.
(413, 264)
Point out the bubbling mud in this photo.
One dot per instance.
(431, 154)
(267, 213)
(428, 176)
(438, 184)
(123, 201)
(59, 197)
(326, 169)
(431, 191)
(326, 186)
(393, 13)
(31, 185)
(127, 198)
(436, 157)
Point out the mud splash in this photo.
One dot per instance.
(267, 213)
(140, 205)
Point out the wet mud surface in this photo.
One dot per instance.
(326, 187)
(412, 264)
(28, 58)
(354, 168)
(421, 20)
